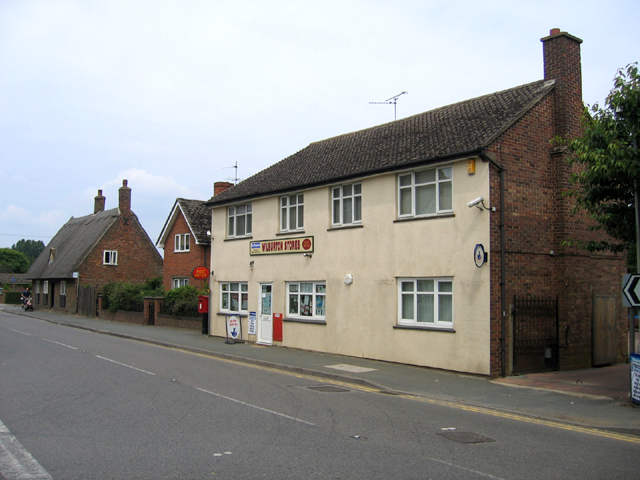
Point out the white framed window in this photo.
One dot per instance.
(110, 257)
(346, 204)
(425, 302)
(179, 282)
(234, 296)
(426, 192)
(181, 243)
(292, 212)
(45, 287)
(240, 221)
(307, 299)
(63, 287)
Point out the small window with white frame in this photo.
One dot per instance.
(110, 257)
(292, 213)
(181, 243)
(178, 282)
(346, 205)
(234, 297)
(239, 221)
(307, 299)
(425, 192)
(425, 302)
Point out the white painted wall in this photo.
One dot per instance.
(360, 317)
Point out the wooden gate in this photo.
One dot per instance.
(87, 305)
(603, 333)
(535, 335)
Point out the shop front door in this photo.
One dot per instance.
(265, 318)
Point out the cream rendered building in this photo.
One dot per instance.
(366, 245)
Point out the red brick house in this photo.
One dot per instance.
(186, 240)
(91, 251)
(442, 240)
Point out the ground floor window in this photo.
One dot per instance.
(425, 302)
(37, 293)
(63, 293)
(234, 296)
(307, 299)
(179, 282)
(45, 292)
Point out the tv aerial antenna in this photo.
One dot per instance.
(391, 101)
(235, 178)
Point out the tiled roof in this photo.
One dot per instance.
(443, 132)
(197, 216)
(72, 244)
(17, 278)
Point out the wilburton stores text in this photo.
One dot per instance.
(293, 245)
(372, 244)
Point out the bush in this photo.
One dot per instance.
(12, 298)
(181, 302)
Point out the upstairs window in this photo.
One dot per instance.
(347, 204)
(110, 257)
(240, 223)
(181, 243)
(292, 213)
(427, 192)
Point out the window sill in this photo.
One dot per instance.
(248, 237)
(291, 232)
(428, 217)
(304, 320)
(344, 227)
(428, 329)
(181, 251)
(241, 315)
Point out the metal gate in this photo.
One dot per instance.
(535, 335)
(87, 301)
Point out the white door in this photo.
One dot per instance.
(265, 319)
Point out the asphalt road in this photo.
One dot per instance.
(79, 405)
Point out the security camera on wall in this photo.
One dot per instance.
(475, 202)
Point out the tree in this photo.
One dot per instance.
(12, 261)
(31, 248)
(608, 152)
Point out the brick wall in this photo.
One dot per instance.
(181, 264)
(138, 259)
(538, 220)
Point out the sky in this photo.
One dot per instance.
(173, 94)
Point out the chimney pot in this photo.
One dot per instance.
(554, 31)
(219, 187)
(98, 204)
(124, 198)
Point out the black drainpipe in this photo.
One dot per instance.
(503, 300)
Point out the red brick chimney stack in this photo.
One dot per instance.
(98, 205)
(219, 187)
(124, 198)
(562, 63)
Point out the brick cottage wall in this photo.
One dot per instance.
(181, 264)
(138, 259)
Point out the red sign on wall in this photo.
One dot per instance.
(200, 273)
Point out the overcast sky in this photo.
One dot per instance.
(171, 94)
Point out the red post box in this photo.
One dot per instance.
(203, 304)
(277, 327)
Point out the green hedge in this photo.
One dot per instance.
(12, 298)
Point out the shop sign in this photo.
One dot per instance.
(252, 323)
(200, 273)
(288, 245)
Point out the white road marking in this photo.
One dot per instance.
(18, 331)
(255, 406)
(124, 365)
(58, 343)
(15, 462)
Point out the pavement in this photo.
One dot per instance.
(596, 397)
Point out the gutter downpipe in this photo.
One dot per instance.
(503, 300)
